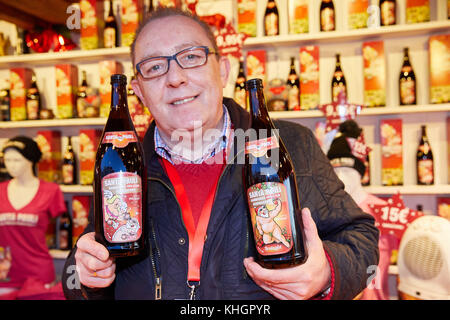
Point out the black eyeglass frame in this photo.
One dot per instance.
(207, 50)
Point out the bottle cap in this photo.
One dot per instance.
(118, 78)
(254, 83)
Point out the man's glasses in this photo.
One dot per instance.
(188, 58)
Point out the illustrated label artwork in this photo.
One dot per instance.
(269, 212)
(259, 148)
(122, 207)
(119, 139)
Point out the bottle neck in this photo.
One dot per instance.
(118, 96)
(257, 102)
(111, 12)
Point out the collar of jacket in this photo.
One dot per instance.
(240, 119)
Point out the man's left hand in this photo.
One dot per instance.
(300, 282)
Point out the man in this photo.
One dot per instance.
(180, 78)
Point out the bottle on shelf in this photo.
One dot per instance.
(150, 6)
(33, 100)
(293, 85)
(327, 16)
(407, 81)
(425, 163)
(271, 188)
(240, 95)
(120, 182)
(82, 96)
(69, 165)
(65, 231)
(338, 82)
(419, 208)
(387, 12)
(271, 19)
(5, 100)
(110, 33)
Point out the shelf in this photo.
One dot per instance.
(410, 189)
(59, 254)
(76, 189)
(364, 112)
(350, 35)
(393, 269)
(53, 123)
(52, 58)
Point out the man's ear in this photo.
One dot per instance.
(225, 67)
(137, 89)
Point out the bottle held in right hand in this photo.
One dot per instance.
(271, 190)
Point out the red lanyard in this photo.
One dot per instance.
(197, 236)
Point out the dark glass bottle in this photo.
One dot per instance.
(240, 95)
(110, 33)
(338, 82)
(293, 85)
(69, 165)
(425, 164)
(33, 100)
(150, 7)
(65, 231)
(5, 99)
(271, 19)
(387, 12)
(327, 16)
(271, 190)
(82, 96)
(120, 180)
(407, 81)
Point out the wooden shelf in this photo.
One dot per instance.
(410, 189)
(365, 112)
(59, 254)
(76, 189)
(349, 35)
(53, 123)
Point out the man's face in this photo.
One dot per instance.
(181, 98)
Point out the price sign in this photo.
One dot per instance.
(394, 218)
(229, 41)
(339, 111)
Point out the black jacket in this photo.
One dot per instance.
(348, 234)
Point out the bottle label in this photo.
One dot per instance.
(387, 13)
(336, 90)
(407, 91)
(327, 19)
(259, 148)
(67, 173)
(293, 98)
(425, 171)
(271, 23)
(122, 207)
(110, 38)
(119, 139)
(33, 109)
(269, 211)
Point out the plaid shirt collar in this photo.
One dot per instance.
(222, 143)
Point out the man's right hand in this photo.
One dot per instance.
(95, 268)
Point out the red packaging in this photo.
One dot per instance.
(246, 17)
(448, 149)
(89, 140)
(80, 213)
(374, 74)
(131, 15)
(66, 84)
(20, 81)
(417, 11)
(140, 116)
(49, 168)
(256, 65)
(91, 24)
(439, 51)
(443, 207)
(309, 78)
(391, 152)
(357, 14)
(107, 69)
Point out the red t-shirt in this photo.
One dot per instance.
(23, 231)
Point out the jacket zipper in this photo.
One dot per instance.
(158, 281)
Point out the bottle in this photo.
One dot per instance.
(33, 100)
(120, 182)
(407, 82)
(271, 19)
(69, 165)
(110, 33)
(419, 208)
(65, 231)
(365, 180)
(82, 96)
(240, 94)
(293, 85)
(150, 6)
(271, 190)
(425, 167)
(387, 12)
(5, 105)
(338, 82)
(327, 16)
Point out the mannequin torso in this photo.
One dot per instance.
(352, 181)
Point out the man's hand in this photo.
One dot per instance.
(95, 268)
(300, 282)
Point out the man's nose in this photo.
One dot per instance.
(176, 75)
